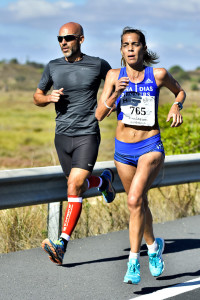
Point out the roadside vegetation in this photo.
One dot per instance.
(27, 134)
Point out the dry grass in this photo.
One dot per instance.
(173, 202)
(22, 228)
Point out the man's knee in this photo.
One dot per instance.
(75, 186)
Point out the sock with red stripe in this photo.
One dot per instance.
(71, 217)
(94, 181)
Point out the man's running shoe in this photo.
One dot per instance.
(133, 273)
(107, 188)
(55, 250)
(156, 263)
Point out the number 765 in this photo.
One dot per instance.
(138, 110)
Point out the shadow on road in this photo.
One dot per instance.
(179, 245)
(123, 257)
(171, 246)
(149, 290)
(174, 276)
(174, 246)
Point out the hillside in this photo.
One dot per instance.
(14, 76)
(18, 77)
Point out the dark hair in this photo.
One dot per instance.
(150, 57)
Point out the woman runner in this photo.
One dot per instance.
(139, 154)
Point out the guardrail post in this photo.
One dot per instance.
(54, 220)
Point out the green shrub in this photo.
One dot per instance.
(35, 65)
(175, 69)
(179, 74)
(182, 75)
(194, 87)
(14, 61)
(183, 139)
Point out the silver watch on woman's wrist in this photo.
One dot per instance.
(180, 105)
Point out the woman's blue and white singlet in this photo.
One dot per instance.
(138, 104)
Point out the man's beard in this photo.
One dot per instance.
(71, 52)
(68, 54)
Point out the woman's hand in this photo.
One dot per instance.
(121, 85)
(175, 115)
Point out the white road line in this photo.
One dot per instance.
(172, 291)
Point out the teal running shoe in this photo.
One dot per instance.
(55, 250)
(133, 273)
(156, 263)
(107, 188)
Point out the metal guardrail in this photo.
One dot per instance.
(24, 187)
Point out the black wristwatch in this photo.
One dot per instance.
(180, 105)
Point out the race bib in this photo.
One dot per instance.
(138, 110)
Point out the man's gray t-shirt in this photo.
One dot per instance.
(81, 80)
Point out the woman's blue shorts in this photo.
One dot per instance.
(129, 153)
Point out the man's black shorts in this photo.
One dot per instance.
(77, 152)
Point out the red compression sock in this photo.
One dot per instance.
(72, 215)
(94, 181)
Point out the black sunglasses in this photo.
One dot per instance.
(68, 38)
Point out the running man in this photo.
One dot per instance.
(139, 152)
(75, 79)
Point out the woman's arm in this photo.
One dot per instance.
(164, 78)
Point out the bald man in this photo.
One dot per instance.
(75, 79)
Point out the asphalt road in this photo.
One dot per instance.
(94, 268)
